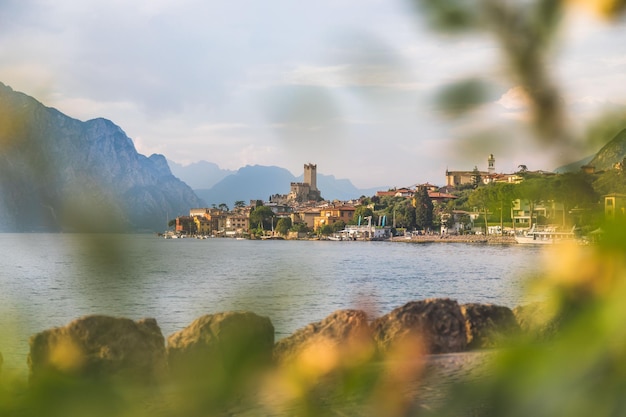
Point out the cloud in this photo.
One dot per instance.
(515, 99)
(348, 76)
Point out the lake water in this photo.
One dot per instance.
(47, 280)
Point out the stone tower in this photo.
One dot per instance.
(310, 176)
(491, 164)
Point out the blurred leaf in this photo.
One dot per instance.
(463, 96)
(450, 15)
(604, 128)
(607, 9)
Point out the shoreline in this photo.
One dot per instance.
(492, 240)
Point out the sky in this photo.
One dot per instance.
(349, 85)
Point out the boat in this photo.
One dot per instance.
(548, 236)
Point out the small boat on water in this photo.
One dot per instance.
(548, 236)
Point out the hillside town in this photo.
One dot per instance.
(474, 202)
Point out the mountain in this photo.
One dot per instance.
(341, 189)
(574, 166)
(249, 183)
(199, 175)
(612, 153)
(61, 174)
(260, 182)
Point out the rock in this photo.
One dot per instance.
(221, 344)
(537, 320)
(100, 347)
(344, 328)
(433, 326)
(488, 325)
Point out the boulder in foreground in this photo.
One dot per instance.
(488, 325)
(433, 326)
(100, 347)
(221, 343)
(343, 329)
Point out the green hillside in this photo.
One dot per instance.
(611, 153)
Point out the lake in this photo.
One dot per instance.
(47, 280)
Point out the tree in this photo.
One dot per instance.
(239, 204)
(574, 190)
(534, 190)
(338, 225)
(326, 230)
(362, 213)
(300, 228)
(283, 225)
(423, 209)
(504, 195)
(476, 178)
(223, 207)
(481, 199)
(261, 217)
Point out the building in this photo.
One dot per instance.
(214, 220)
(615, 206)
(307, 190)
(552, 211)
(458, 178)
(306, 216)
(237, 224)
(185, 225)
(333, 214)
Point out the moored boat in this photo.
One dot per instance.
(547, 236)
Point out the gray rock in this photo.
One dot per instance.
(433, 325)
(488, 325)
(341, 328)
(221, 344)
(100, 347)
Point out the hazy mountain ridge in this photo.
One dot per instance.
(259, 182)
(199, 175)
(58, 173)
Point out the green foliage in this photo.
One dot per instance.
(261, 217)
(462, 96)
(612, 181)
(338, 225)
(283, 225)
(476, 178)
(423, 209)
(363, 212)
(300, 228)
(326, 230)
(604, 129)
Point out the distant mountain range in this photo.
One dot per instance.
(199, 175)
(61, 174)
(257, 183)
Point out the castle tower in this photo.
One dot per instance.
(310, 176)
(491, 164)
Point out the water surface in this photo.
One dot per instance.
(48, 280)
